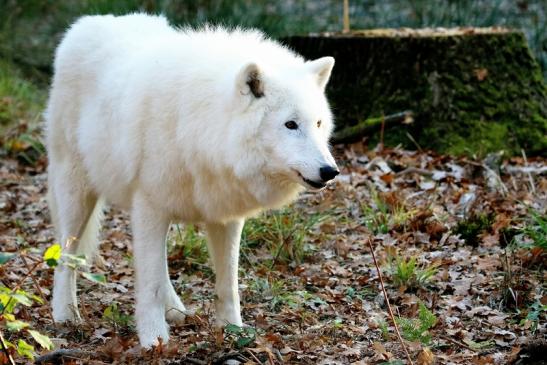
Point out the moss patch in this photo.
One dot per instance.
(470, 228)
(471, 93)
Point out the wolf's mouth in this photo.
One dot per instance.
(313, 184)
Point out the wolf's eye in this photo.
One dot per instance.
(291, 124)
(318, 124)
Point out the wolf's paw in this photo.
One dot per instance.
(65, 313)
(177, 315)
(175, 311)
(232, 318)
(228, 312)
(150, 332)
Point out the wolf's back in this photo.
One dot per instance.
(95, 39)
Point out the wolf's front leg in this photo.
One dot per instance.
(149, 231)
(224, 250)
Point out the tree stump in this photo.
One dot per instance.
(471, 90)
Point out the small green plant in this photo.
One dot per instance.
(271, 290)
(239, 336)
(469, 229)
(381, 217)
(117, 318)
(536, 231)
(275, 292)
(382, 325)
(535, 312)
(408, 274)
(417, 329)
(191, 243)
(282, 232)
(12, 299)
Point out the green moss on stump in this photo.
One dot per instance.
(472, 91)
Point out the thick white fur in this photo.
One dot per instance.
(163, 123)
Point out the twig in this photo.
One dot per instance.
(20, 283)
(254, 357)
(278, 355)
(527, 170)
(356, 132)
(532, 186)
(58, 355)
(277, 254)
(497, 178)
(37, 286)
(283, 244)
(387, 302)
(410, 170)
(456, 342)
(5, 348)
(414, 141)
(191, 360)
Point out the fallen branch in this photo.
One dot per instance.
(446, 338)
(57, 356)
(412, 170)
(191, 360)
(5, 349)
(387, 303)
(526, 170)
(356, 132)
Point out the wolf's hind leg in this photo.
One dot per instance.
(76, 215)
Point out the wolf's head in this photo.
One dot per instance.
(295, 121)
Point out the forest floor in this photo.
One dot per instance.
(460, 244)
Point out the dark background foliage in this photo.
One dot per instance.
(30, 29)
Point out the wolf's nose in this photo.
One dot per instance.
(328, 173)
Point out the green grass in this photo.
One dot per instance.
(536, 312)
(21, 101)
(417, 329)
(381, 217)
(284, 233)
(119, 320)
(190, 243)
(536, 231)
(407, 273)
(21, 105)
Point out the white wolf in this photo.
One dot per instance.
(207, 126)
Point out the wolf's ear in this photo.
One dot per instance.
(322, 67)
(250, 80)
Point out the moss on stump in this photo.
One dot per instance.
(471, 90)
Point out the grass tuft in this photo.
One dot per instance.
(417, 329)
(283, 233)
(469, 229)
(407, 274)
